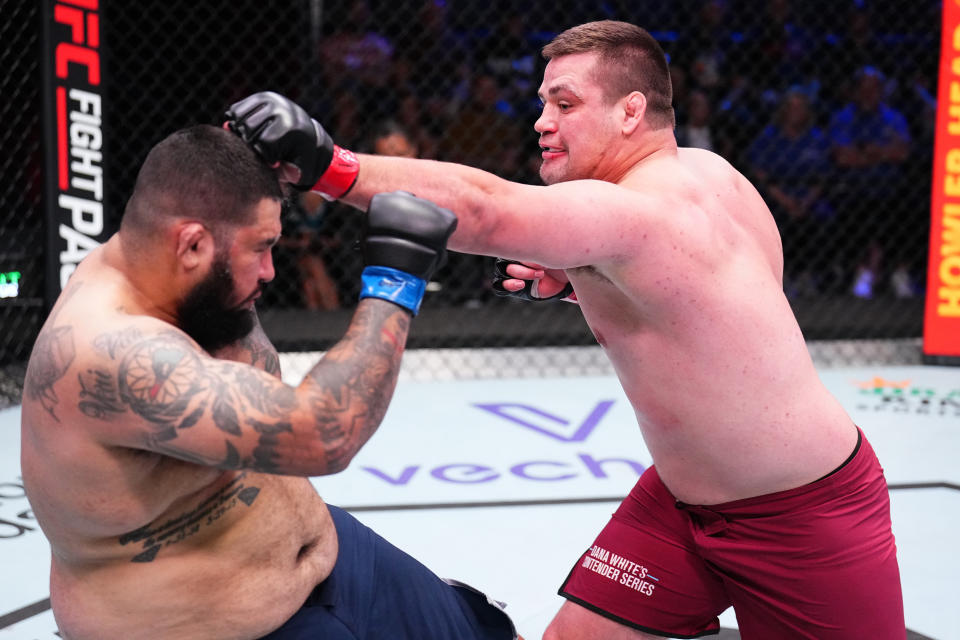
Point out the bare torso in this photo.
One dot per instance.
(705, 342)
(145, 545)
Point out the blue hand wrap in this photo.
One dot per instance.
(393, 285)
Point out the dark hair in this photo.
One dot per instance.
(205, 173)
(630, 59)
(385, 129)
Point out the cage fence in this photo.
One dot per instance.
(828, 107)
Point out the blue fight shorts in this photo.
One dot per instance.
(377, 592)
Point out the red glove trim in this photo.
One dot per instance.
(340, 176)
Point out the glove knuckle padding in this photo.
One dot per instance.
(243, 109)
(281, 131)
(407, 233)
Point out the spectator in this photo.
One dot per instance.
(857, 45)
(870, 145)
(315, 232)
(410, 116)
(479, 133)
(789, 162)
(919, 104)
(357, 58)
(704, 48)
(348, 116)
(481, 136)
(697, 130)
(680, 80)
(740, 112)
(507, 53)
(306, 237)
(328, 253)
(776, 48)
(389, 138)
(439, 59)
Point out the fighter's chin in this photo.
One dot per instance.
(551, 175)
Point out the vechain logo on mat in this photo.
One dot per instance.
(549, 424)
(567, 461)
(901, 396)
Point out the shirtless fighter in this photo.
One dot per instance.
(764, 494)
(167, 463)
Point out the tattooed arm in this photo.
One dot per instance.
(255, 349)
(163, 393)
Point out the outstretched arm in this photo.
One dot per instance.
(543, 224)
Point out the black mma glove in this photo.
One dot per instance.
(281, 131)
(529, 291)
(404, 242)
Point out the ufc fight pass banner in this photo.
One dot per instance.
(74, 143)
(941, 334)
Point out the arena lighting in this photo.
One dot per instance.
(9, 284)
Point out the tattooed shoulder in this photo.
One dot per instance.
(53, 353)
(112, 343)
(158, 377)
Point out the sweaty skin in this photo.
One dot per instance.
(153, 467)
(677, 265)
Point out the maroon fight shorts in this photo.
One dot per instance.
(817, 562)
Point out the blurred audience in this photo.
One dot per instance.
(704, 46)
(696, 129)
(856, 45)
(357, 58)
(509, 53)
(411, 117)
(789, 91)
(390, 138)
(308, 240)
(482, 134)
(440, 60)
(776, 48)
(336, 228)
(870, 142)
(790, 163)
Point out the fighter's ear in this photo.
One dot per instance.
(194, 244)
(634, 108)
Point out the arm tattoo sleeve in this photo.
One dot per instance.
(164, 380)
(353, 384)
(254, 349)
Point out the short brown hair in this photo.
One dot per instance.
(203, 172)
(630, 59)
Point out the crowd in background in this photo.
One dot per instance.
(824, 111)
